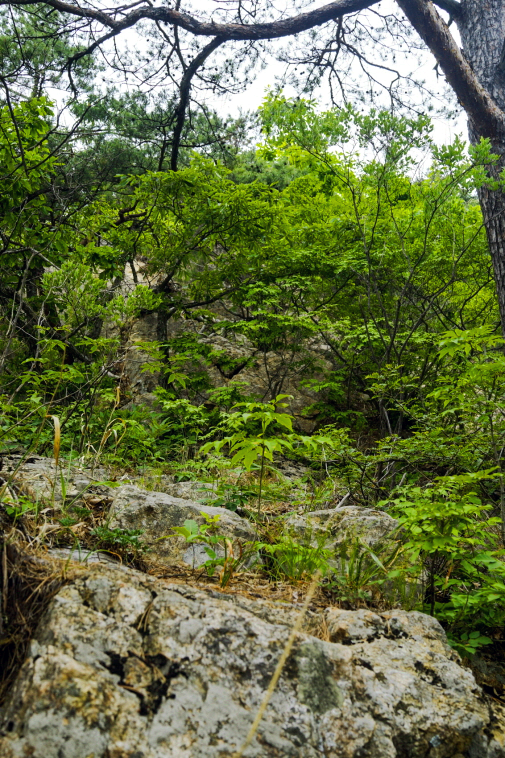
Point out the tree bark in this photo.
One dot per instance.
(477, 75)
(184, 92)
(482, 29)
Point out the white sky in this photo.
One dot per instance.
(444, 129)
(249, 99)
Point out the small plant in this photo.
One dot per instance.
(468, 643)
(248, 442)
(224, 554)
(450, 547)
(20, 506)
(295, 560)
(360, 573)
(232, 496)
(126, 540)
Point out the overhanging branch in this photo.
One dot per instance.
(271, 30)
(184, 92)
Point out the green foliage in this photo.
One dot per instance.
(296, 559)
(451, 547)
(124, 540)
(20, 506)
(232, 496)
(226, 556)
(330, 262)
(360, 574)
(244, 445)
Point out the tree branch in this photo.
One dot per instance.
(487, 118)
(271, 30)
(184, 91)
(452, 7)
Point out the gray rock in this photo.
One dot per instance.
(39, 478)
(157, 513)
(81, 556)
(352, 627)
(189, 490)
(342, 524)
(126, 666)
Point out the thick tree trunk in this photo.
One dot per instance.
(492, 203)
(482, 28)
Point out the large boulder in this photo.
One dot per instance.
(127, 666)
(344, 524)
(157, 513)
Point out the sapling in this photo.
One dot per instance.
(244, 446)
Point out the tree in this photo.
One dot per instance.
(475, 71)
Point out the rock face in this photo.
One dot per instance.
(346, 523)
(156, 513)
(126, 666)
(188, 490)
(234, 358)
(38, 478)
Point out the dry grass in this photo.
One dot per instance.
(28, 584)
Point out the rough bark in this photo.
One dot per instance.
(271, 30)
(477, 75)
(482, 29)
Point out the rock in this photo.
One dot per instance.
(127, 666)
(346, 523)
(290, 469)
(156, 513)
(352, 627)
(285, 370)
(38, 478)
(188, 490)
(81, 556)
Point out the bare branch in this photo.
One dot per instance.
(271, 30)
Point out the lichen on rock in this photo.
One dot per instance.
(127, 666)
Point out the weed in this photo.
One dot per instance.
(295, 560)
(361, 574)
(21, 506)
(126, 540)
(232, 497)
(225, 555)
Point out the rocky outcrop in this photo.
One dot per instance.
(126, 666)
(343, 524)
(231, 357)
(157, 513)
(188, 490)
(41, 480)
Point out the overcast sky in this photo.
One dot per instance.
(420, 64)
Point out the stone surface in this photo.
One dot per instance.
(81, 556)
(126, 666)
(157, 513)
(352, 627)
(346, 523)
(38, 478)
(234, 358)
(188, 490)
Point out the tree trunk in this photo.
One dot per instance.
(492, 203)
(482, 28)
